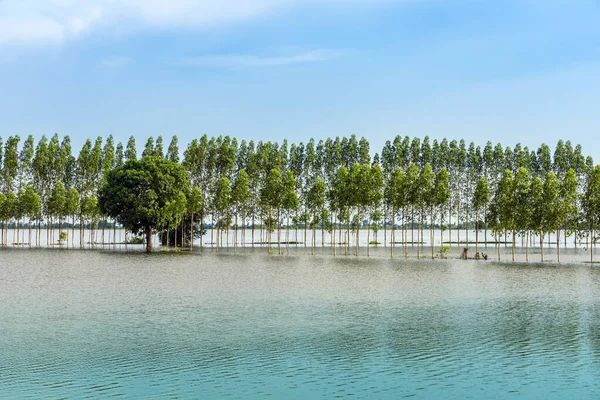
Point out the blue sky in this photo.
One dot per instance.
(511, 71)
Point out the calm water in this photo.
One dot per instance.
(77, 324)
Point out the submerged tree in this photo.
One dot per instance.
(136, 194)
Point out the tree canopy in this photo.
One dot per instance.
(143, 195)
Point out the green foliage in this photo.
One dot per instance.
(143, 195)
(63, 237)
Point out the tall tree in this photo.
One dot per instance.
(173, 150)
(240, 194)
(130, 151)
(481, 198)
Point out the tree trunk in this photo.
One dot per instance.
(393, 238)
(279, 232)
(384, 230)
(513, 246)
(476, 234)
(192, 232)
(347, 235)
(431, 233)
(527, 248)
(498, 244)
(558, 245)
(148, 239)
(369, 237)
(542, 247)
(412, 227)
(235, 233)
(333, 233)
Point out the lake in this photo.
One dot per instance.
(101, 324)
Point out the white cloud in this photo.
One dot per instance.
(248, 61)
(54, 21)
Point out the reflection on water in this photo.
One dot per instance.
(102, 324)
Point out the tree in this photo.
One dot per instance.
(130, 151)
(552, 207)
(591, 206)
(441, 196)
(395, 199)
(315, 202)
(290, 200)
(240, 194)
(538, 211)
(72, 207)
(425, 189)
(568, 213)
(56, 206)
(194, 206)
(221, 204)
(173, 150)
(374, 197)
(149, 148)
(32, 207)
(10, 165)
(481, 198)
(521, 205)
(137, 193)
(270, 196)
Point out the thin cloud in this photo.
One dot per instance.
(55, 21)
(115, 62)
(235, 61)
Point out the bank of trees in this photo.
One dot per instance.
(292, 192)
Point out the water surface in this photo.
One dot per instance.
(98, 324)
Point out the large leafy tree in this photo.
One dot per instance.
(136, 194)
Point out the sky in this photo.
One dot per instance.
(511, 71)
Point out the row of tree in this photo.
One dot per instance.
(333, 184)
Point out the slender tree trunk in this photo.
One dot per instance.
(347, 234)
(192, 232)
(498, 244)
(591, 250)
(458, 223)
(81, 234)
(558, 245)
(476, 234)
(418, 244)
(287, 234)
(485, 232)
(513, 245)
(268, 237)
(431, 219)
(148, 232)
(542, 247)
(385, 230)
(393, 238)
(441, 233)
(235, 233)
(527, 248)
(369, 237)
(412, 227)
(212, 230)
(305, 229)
